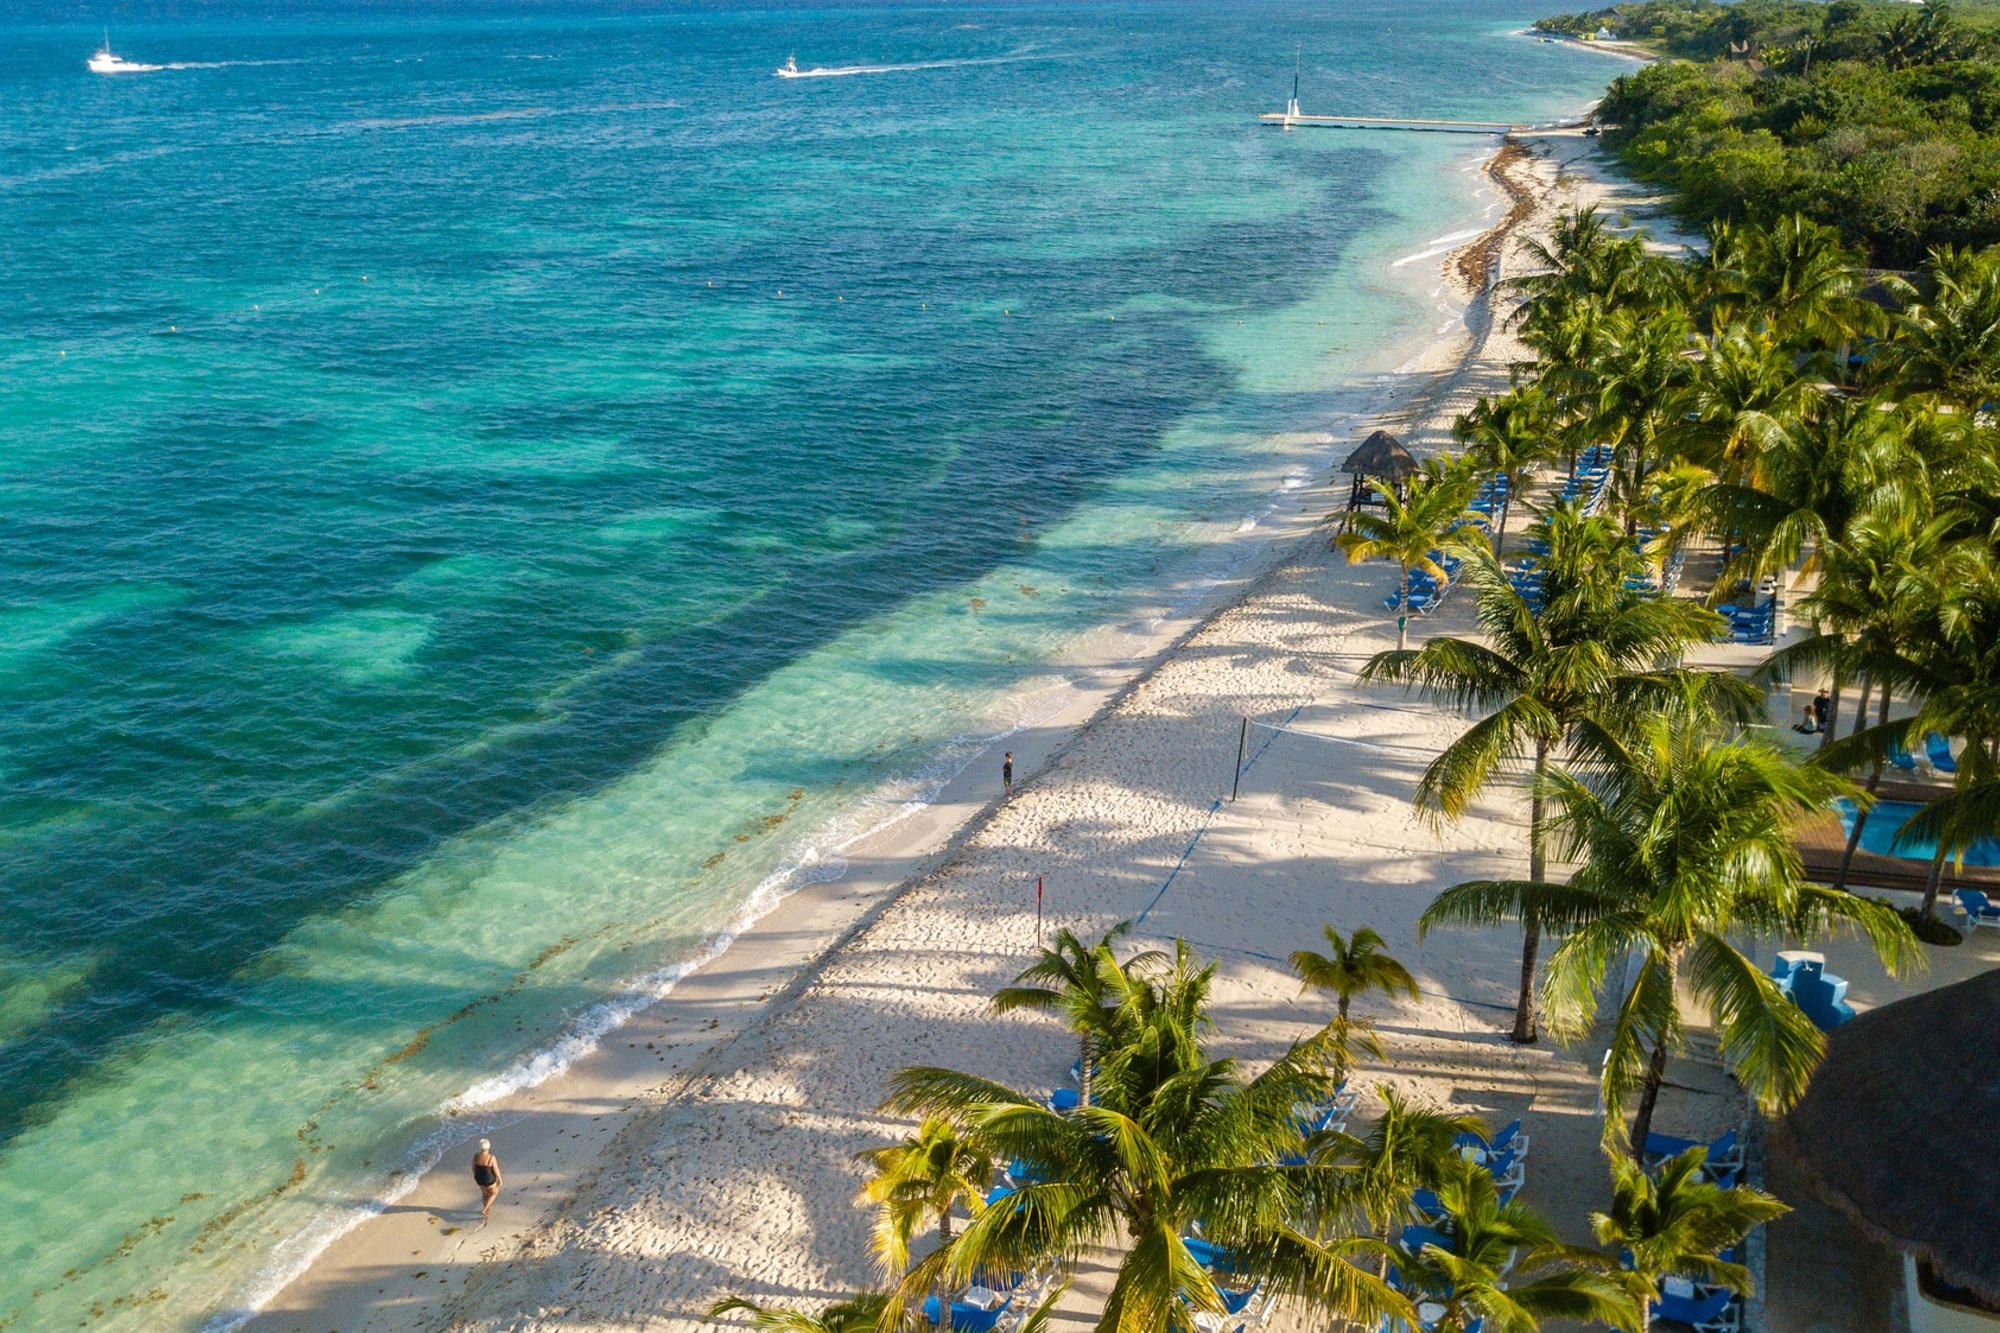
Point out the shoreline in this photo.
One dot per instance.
(557, 1138)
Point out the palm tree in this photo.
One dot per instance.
(860, 1313)
(1879, 592)
(1085, 984)
(1509, 436)
(1582, 262)
(1953, 666)
(1678, 1224)
(1414, 524)
(1640, 372)
(1809, 479)
(1353, 966)
(1472, 1281)
(1175, 1141)
(1408, 1148)
(1948, 347)
(1713, 281)
(1805, 486)
(1554, 679)
(1803, 287)
(1740, 396)
(1686, 844)
(922, 1178)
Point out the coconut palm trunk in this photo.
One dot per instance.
(1403, 613)
(944, 1301)
(1656, 1071)
(1934, 879)
(1861, 811)
(1531, 927)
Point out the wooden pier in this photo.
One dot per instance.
(1287, 120)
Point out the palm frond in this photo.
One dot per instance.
(1772, 1043)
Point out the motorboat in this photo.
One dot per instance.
(790, 69)
(104, 61)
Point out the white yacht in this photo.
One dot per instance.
(104, 62)
(788, 70)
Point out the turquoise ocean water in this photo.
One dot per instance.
(491, 494)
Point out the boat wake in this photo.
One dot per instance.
(223, 64)
(792, 71)
(103, 63)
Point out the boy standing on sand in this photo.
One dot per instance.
(1007, 774)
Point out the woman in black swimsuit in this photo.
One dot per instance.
(486, 1175)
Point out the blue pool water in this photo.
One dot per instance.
(1885, 823)
(491, 493)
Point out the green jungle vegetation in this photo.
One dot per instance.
(1880, 119)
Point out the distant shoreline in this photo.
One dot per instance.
(1608, 46)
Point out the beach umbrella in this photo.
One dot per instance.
(1381, 457)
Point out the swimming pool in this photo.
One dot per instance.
(1886, 820)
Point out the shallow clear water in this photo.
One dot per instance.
(1885, 823)
(490, 495)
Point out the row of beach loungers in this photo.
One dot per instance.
(1505, 1156)
(1705, 1308)
(1587, 483)
(997, 1302)
(1755, 621)
(1670, 574)
(1590, 481)
(1425, 592)
(1699, 1305)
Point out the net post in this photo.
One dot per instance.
(1242, 740)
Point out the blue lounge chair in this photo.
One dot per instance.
(1215, 1258)
(1416, 1237)
(1709, 1314)
(1236, 1302)
(1063, 1100)
(1723, 1164)
(1900, 756)
(1021, 1173)
(1427, 1203)
(967, 1316)
(1938, 749)
(1979, 910)
(1508, 1138)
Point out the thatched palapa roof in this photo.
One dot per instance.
(1380, 455)
(1896, 1128)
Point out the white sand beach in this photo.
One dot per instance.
(708, 1149)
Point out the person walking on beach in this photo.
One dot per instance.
(1819, 705)
(486, 1175)
(1007, 774)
